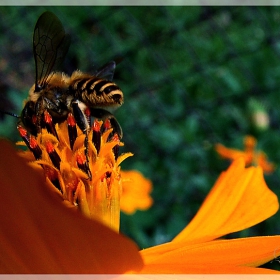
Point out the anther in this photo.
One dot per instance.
(53, 154)
(83, 164)
(72, 130)
(34, 147)
(51, 173)
(49, 124)
(88, 115)
(116, 148)
(106, 125)
(96, 135)
(23, 133)
(30, 142)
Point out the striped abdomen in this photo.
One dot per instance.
(94, 91)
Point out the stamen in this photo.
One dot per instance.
(83, 164)
(106, 125)
(71, 182)
(88, 115)
(87, 156)
(34, 147)
(49, 124)
(117, 147)
(51, 173)
(23, 133)
(72, 130)
(96, 135)
(53, 154)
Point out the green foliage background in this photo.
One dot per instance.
(188, 76)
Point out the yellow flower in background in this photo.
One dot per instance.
(250, 154)
(39, 234)
(136, 191)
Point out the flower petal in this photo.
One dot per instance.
(231, 153)
(211, 257)
(203, 269)
(239, 199)
(40, 235)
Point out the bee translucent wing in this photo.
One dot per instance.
(50, 45)
(106, 71)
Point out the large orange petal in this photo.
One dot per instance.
(211, 257)
(202, 269)
(40, 235)
(239, 199)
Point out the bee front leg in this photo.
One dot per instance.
(83, 124)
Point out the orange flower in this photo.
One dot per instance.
(40, 235)
(251, 156)
(135, 192)
(238, 200)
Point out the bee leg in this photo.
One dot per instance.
(82, 123)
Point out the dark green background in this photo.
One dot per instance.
(188, 75)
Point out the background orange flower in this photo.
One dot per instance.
(251, 155)
(136, 191)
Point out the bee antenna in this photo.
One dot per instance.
(9, 113)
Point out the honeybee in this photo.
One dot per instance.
(60, 94)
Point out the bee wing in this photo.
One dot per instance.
(106, 71)
(50, 45)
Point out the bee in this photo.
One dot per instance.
(60, 94)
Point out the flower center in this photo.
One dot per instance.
(83, 167)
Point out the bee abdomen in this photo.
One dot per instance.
(97, 92)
